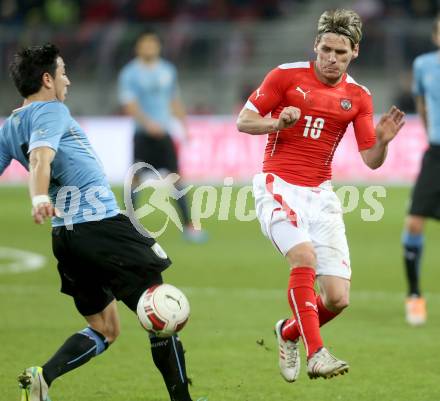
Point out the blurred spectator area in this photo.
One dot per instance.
(222, 48)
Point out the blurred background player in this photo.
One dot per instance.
(425, 201)
(311, 105)
(148, 91)
(101, 257)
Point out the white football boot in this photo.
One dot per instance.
(33, 386)
(323, 364)
(288, 357)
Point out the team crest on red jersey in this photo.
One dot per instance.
(346, 104)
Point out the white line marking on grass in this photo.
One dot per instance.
(18, 261)
(240, 293)
(273, 293)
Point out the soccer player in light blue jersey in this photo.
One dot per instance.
(148, 92)
(425, 202)
(101, 257)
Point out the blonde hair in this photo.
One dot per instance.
(341, 22)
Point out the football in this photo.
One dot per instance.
(163, 310)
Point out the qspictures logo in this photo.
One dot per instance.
(209, 201)
(204, 202)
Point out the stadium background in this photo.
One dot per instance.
(235, 282)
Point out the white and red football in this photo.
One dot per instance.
(163, 310)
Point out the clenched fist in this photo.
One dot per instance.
(288, 117)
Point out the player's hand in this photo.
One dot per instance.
(389, 125)
(44, 211)
(155, 130)
(288, 117)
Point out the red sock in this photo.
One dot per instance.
(325, 315)
(291, 330)
(302, 300)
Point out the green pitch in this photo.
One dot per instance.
(236, 285)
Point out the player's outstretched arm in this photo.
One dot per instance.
(251, 122)
(387, 128)
(39, 178)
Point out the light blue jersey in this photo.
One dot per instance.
(427, 83)
(78, 186)
(152, 87)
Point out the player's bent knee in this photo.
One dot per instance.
(111, 333)
(337, 303)
(302, 258)
(341, 304)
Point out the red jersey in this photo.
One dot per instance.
(302, 154)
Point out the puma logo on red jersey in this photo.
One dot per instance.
(258, 94)
(301, 91)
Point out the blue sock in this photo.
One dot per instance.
(76, 351)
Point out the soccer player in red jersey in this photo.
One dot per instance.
(305, 108)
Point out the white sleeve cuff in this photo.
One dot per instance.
(41, 144)
(249, 105)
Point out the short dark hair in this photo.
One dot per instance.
(30, 64)
(147, 31)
